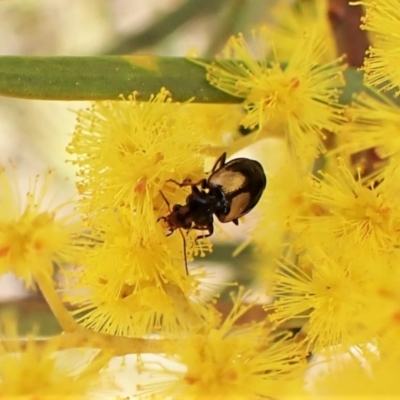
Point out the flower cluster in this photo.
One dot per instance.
(382, 20)
(236, 362)
(299, 99)
(326, 233)
(291, 20)
(34, 233)
(133, 279)
(44, 370)
(333, 221)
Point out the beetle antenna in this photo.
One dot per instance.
(184, 251)
(166, 200)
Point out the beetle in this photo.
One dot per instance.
(231, 191)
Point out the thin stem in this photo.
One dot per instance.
(225, 28)
(183, 306)
(166, 25)
(115, 345)
(98, 362)
(64, 318)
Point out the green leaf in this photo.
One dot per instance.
(106, 77)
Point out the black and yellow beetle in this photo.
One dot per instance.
(231, 191)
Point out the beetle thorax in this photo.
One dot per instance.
(204, 204)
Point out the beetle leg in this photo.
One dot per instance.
(220, 162)
(203, 183)
(195, 190)
(210, 229)
(170, 230)
(186, 182)
(236, 221)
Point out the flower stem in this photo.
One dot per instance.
(57, 307)
(183, 306)
(117, 345)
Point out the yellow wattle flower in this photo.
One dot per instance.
(291, 20)
(281, 206)
(382, 19)
(228, 361)
(34, 234)
(362, 372)
(364, 219)
(128, 267)
(133, 280)
(373, 123)
(328, 293)
(383, 313)
(127, 150)
(43, 370)
(301, 96)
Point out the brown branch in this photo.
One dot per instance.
(345, 23)
(352, 41)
